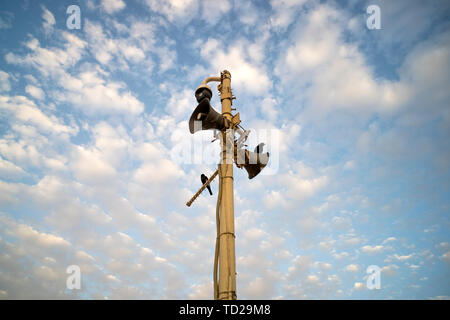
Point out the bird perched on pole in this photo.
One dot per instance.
(259, 147)
(204, 179)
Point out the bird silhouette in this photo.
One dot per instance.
(259, 147)
(204, 179)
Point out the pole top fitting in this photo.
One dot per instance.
(225, 74)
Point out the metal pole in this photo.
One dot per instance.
(227, 260)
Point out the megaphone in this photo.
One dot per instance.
(253, 162)
(205, 117)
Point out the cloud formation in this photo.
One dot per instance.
(92, 119)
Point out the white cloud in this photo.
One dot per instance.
(352, 268)
(29, 235)
(26, 111)
(440, 298)
(342, 223)
(247, 75)
(112, 6)
(341, 255)
(161, 172)
(269, 108)
(201, 291)
(20, 152)
(5, 85)
(404, 257)
(212, 10)
(80, 219)
(181, 104)
(254, 234)
(309, 52)
(49, 20)
(323, 265)
(435, 52)
(46, 273)
(443, 246)
(259, 287)
(91, 167)
(446, 257)
(101, 47)
(274, 199)
(48, 256)
(300, 267)
(127, 46)
(389, 270)
(404, 23)
(303, 187)
(167, 58)
(35, 92)
(309, 224)
(312, 279)
(349, 165)
(92, 94)
(334, 279)
(319, 57)
(358, 286)
(180, 11)
(284, 12)
(350, 240)
(247, 13)
(372, 249)
(327, 245)
(143, 32)
(133, 53)
(10, 170)
(390, 239)
(51, 61)
(112, 142)
(297, 184)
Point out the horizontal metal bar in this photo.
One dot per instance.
(195, 196)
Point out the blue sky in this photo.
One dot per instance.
(92, 122)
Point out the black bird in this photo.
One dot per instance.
(259, 147)
(204, 179)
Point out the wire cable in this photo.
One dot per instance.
(217, 249)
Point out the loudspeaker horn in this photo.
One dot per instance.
(205, 117)
(255, 162)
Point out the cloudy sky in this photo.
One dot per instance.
(97, 162)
